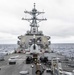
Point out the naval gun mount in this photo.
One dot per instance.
(34, 52)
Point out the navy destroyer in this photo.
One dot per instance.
(25, 41)
(34, 55)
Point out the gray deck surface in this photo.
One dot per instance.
(20, 65)
(7, 69)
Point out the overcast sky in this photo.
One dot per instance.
(59, 24)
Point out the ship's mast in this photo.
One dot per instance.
(34, 20)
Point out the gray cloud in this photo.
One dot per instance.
(60, 15)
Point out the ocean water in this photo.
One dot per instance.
(7, 47)
(66, 49)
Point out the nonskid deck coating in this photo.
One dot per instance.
(7, 69)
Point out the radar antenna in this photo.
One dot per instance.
(34, 20)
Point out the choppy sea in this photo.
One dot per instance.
(66, 49)
(7, 47)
